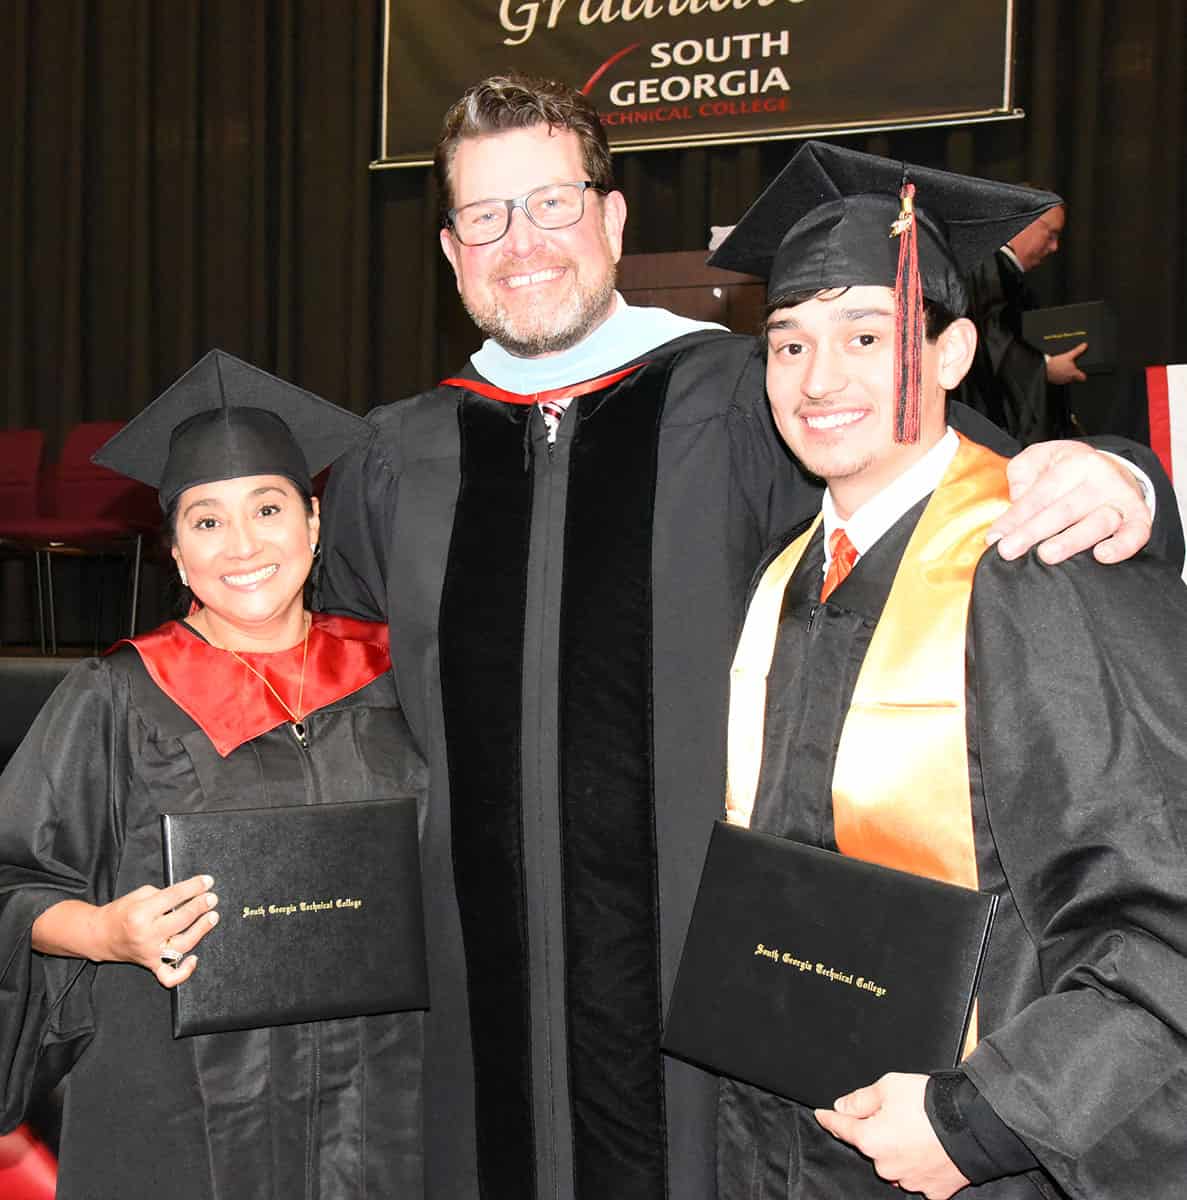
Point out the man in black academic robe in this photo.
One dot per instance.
(1011, 382)
(563, 598)
(1067, 789)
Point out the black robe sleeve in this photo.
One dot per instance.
(980, 1144)
(1080, 689)
(357, 515)
(60, 839)
(778, 492)
(1166, 536)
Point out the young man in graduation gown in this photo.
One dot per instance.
(561, 535)
(902, 695)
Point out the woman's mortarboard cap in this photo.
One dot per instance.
(224, 419)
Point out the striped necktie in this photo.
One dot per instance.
(552, 411)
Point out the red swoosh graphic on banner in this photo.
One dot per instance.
(605, 67)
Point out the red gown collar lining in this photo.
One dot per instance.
(561, 393)
(231, 705)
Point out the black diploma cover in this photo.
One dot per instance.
(320, 913)
(810, 973)
(1057, 330)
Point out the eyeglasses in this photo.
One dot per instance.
(554, 206)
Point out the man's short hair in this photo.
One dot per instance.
(504, 102)
(936, 316)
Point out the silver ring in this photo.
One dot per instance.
(170, 955)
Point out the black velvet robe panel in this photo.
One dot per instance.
(1076, 692)
(319, 1110)
(606, 831)
(614, 566)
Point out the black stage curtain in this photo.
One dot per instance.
(193, 174)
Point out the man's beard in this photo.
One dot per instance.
(548, 330)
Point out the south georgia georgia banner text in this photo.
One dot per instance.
(679, 72)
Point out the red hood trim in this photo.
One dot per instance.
(231, 705)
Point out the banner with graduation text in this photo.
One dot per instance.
(679, 72)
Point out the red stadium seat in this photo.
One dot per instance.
(20, 472)
(28, 1170)
(85, 511)
(21, 453)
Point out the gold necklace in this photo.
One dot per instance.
(297, 724)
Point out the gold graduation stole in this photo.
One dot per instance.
(901, 794)
(901, 781)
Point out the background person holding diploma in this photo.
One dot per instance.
(921, 703)
(250, 701)
(1014, 384)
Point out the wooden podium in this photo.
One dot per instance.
(680, 281)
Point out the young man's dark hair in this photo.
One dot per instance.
(936, 316)
(505, 102)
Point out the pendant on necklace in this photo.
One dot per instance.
(298, 728)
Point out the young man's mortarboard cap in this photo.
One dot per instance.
(837, 218)
(825, 222)
(224, 419)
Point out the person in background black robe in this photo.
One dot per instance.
(1011, 382)
(1067, 703)
(174, 721)
(566, 592)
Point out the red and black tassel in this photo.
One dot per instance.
(908, 321)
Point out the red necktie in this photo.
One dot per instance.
(843, 556)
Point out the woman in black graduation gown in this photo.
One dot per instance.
(251, 701)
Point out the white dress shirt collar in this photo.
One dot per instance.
(881, 511)
(1014, 259)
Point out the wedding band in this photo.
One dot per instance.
(1120, 512)
(170, 955)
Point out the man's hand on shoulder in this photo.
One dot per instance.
(887, 1123)
(1068, 497)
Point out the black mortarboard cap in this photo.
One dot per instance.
(824, 222)
(224, 419)
(836, 218)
